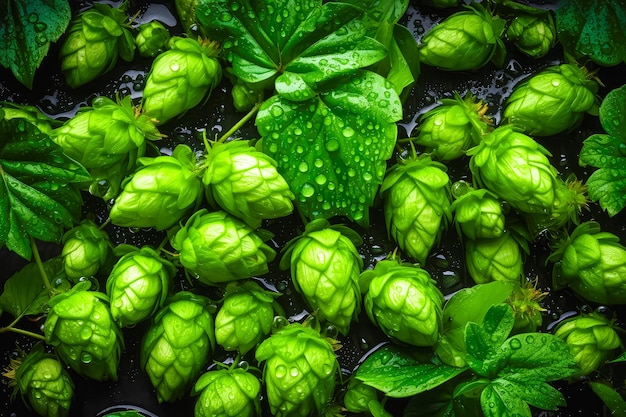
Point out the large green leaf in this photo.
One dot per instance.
(593, 28)
(398, 375)
(332, 149)
(607, 185)
(263, 39)
(26, 30)
(25, 294)
(38, 193)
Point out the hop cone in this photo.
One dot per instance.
(217, 248)
(592, 339)
(138, 285)
(416, 194)
(107, 139)
(552, 101)
(86, 249)
(245, 317)
(43, 383)
(516, 168)
(451, 128)
(180, 78)
(495, 259)
(403, 301)
(466, 40)
(160, 192)
(228, 393)
(245, 183)
(533, 34)
(152, 39)
(80, 327)
(477, 212)
(592, 263)
(178, 345)
(299, 372)
(94, 40)
(325, 267)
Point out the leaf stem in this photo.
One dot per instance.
(10, 328)
(240, 123)
(42, 270)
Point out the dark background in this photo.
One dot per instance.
(446, 265)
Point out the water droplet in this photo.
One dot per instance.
(276, 111)
(515, 344)
(47, 375)
(297, 131)
(622, 148)
(348, 132)
(294, 371)
(86, 357)
(332, 145)
(279, 322)
(303, 166)
(320, 179)
(33, 17)
(40, 27)
(318, 163)
(307, 190)
(281, 371)
(226, 17)
(86, 333)
(556, 83)
(174, 66)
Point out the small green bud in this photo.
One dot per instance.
(86, 249)
(534, 35)
(152, 39)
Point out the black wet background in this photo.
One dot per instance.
(446, 264)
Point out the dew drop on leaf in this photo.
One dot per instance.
(303, 167)
(622, 148)
(515, 344)
(86, 357)
(320, 179)
(307, 190)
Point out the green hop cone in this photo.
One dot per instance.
(533, 34)
(592, 263)
(416, 194)
(516, 168)
(245, 183)
(478, 213)
(245, 317)
(227, 393)
(592, 339)
(246, 95)
(495, 259)
(106, 138)
(159, 193)
(216, 248)
(80, 327)
(299, 371)
(553, 100)
(180, 78)
(178, 345)
(43, 383)
(466, 40)
(325, 266)
(138, 285)
(94, 41)
(451, 128)
(152, 39)
(86, 249)
(403, 301)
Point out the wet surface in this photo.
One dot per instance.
(446, 265)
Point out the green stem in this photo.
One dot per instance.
(240, 123)
(23, 332)
(42, 271)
